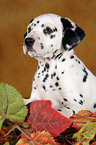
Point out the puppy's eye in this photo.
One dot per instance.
(48, 30)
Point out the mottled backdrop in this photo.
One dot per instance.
(17, 69)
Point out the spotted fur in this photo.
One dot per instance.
(61, 76)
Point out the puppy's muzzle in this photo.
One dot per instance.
(29, 43)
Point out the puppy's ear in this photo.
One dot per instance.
(72, 34)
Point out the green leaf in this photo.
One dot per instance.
(7, 143)
(86, 133)
(11, 104)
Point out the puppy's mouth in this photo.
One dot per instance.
(30, 50)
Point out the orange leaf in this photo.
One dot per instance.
(81, 118)
(43, 117)
(38, 138)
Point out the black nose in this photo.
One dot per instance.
(29, 42)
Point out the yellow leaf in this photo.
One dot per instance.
(86, 133)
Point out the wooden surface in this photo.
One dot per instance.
(17, 69)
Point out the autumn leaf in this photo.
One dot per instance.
(11, 104)
(43, 117)
(85, 134)
(2, 133)
(94, 143)
(38, 138)
(94, 114)
(81, 118)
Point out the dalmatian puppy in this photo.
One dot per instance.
(61, 76)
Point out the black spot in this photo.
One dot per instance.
(81, 95)
(78, 61)
(62, 72)
(38, 22)
(44, 87)
(35, 88)
(85, 71)
(46, 77)
(51, 45)
(75, 100)
(59, 110)
(57, 78)
(73, 111)
(55, 29)
(41, 45)
(47, 65)
(51, 76)
(54, 74)
(68, 107)
(51, 86)
(84, 78)
(42, 25)
(38, 73)
(34, 24)
(63, 59)
(52, 36)
(59, 55)
(56, 84)
(86, 74)
(55, 51)
(25, 34)
(38, 66)
(81, 102)
(53, 56)
(55, 66)
(33, 79)
(71, 57)
(59, 88)
(65, 99)
(94, 106)
(48, 58)
(39, 38)
(44, 69)
(29, 29)
(31, 21)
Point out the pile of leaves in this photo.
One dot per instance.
(39, 124)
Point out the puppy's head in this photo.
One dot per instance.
(48, 33)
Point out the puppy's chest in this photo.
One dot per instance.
(47, 76)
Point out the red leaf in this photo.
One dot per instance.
(94, 143)
(2, 133)
(43, 117)
(94, 114)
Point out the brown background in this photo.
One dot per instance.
(16, 68)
